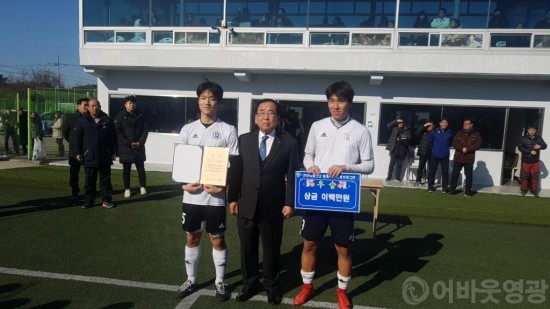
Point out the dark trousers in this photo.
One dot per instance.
(434, 162)
(396, 161)
(105, 185)
(7, 133)
(126, 170)
(60, 147)
(530, 171)
(74, 165)
(271, 232)
(468, 172)
(422, 160)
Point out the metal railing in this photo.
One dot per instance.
(320, 37)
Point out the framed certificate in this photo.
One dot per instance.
(205, 165)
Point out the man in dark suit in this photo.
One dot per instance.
(262, 196)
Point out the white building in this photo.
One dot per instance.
(500, 77)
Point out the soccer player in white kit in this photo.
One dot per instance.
(205, 205)
(335, 145)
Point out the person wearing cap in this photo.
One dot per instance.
(398, 146)
(530, 146)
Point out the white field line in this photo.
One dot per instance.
(187, 302)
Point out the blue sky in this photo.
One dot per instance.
(34, 32)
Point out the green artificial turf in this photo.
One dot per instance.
(435, 237)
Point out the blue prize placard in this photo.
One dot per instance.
(321, 192)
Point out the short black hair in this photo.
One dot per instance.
(442, 9)
(278, 107)
(213, 87)
(469, 119)
(79, 101)
(443, 119)
(131, 98)
(342, 89)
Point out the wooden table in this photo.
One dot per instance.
(375, 186)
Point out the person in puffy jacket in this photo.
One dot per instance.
(530, 146)
(465, 143)
(95, 147)
(132, 134)
(424, 151)
(439, 140)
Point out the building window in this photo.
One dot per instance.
(169, 114)
(488, 121)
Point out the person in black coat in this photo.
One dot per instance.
(132, 134)
(398, 146)
(262, 199)
(424, 151)
(68, 134)
(95, 147)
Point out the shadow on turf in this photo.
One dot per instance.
(18, 302)
(123, 305)
(155, 193)
(37, 205)
(405, 255)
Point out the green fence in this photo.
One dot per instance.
(45, 102)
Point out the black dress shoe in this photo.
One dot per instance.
(247, 292)
(274, 297)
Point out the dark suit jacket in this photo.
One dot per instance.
(263, 188)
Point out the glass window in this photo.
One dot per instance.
(488, 121)
(169, 114)
(329, 38)
(119, 13)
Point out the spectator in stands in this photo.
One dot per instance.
(189, 21)
(131, 134)
(265, 21)
(367, 23)
(384, 21)
(421, 21)
(282, 20)
(9, 125)
(424, 151)
(95, 148)
(439, 140)
(519, 40)
(530, 146)
(441, 21)
(242, 19)
(57, 133)
(398, 146)
(68, 133)
(465, 142)
(337, 22)
(498, 20)
(545, 23)
(455, 23)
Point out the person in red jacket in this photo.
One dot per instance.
(530, 146)
(465, 143)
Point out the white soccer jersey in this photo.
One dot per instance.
(347, 145)
(218, 134)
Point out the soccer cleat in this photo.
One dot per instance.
(431, 190)
(535, 194)
(186, 288)
(523, 192)
(127, 193)
(305, 294)
(107, 205)
(143, 191)
(221, 292)
(416, 184)
(343, 300)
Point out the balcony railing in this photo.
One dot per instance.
(477, 39)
